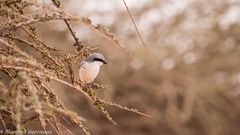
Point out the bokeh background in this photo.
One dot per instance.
(187, 78)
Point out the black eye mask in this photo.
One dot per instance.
(101, 60)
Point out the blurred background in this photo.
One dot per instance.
(187, 78)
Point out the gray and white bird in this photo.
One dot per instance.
(89, 67)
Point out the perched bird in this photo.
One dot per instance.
(90, 67)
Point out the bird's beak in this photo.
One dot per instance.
(104, 61)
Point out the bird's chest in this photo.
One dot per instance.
(88, 71)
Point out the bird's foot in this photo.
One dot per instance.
(89, 84)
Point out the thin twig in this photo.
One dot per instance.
(135, 25)
(66, 129)
(4, 124)
(71, 31)
(57, 4)
(30, 119)
(52, 125)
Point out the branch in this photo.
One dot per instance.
(135, 25)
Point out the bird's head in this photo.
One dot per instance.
(97, 58)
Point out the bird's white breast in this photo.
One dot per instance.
(88, 71)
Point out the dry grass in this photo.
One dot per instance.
(25, 79)
(187, 78)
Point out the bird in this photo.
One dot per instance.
(90, 66)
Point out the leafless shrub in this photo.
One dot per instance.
(28, 90)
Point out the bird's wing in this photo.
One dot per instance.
(81, 65)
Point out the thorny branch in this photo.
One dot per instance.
(29, 85)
